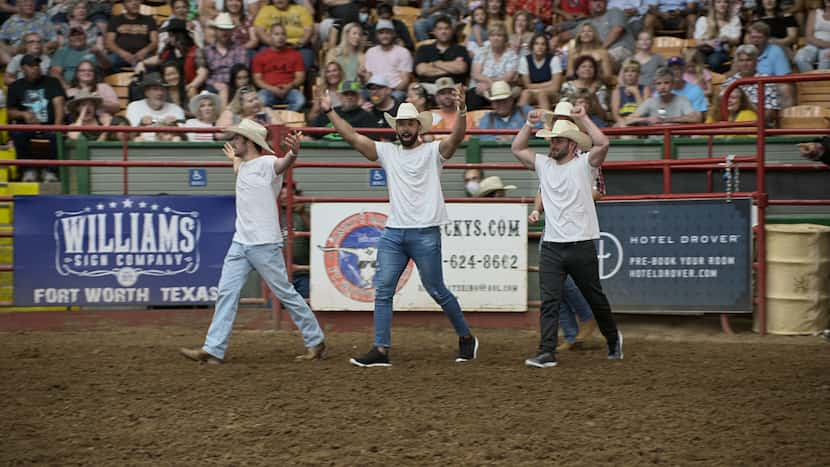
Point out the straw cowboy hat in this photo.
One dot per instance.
(408, 111)
(253, 131)
(223, 21)
(569, 130)
(500, 90)
(83, 96)
(491, 184)
(196, 100)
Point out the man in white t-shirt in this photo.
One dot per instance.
(257, 243)
(566, 179)
(153, 110)
(416, 212)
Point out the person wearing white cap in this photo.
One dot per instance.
(390, 60)
(257, 243)
(566, 178)
(380, 99)
(416, 212)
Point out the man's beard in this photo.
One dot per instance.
(558, 154)
(408, 141)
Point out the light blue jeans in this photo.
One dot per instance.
(295, 100)
(573, 306)
(395, 248)
(268, 261)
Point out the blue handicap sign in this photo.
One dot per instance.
(377, 177)
(198, 177)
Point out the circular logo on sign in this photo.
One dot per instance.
(351, 252)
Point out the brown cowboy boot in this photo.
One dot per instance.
(199, 355)
(318, 352)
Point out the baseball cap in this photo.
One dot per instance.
(30, 60)
(676, 61)
(349, 86)
(444, 83)
(378, 80)
(384, 24)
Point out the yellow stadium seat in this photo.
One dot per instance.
(669, 46)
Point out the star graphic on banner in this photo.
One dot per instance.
(127, 203)
(167, 209)
(142, 204)
(154, 207)
(100, 206)
(87, 209)
(113, 204)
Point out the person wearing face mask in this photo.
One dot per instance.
(472, 181)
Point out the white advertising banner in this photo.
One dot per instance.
(484, 255)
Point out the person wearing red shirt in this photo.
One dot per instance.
(279, 72)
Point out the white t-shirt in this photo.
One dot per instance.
(555, 65)
(414, 179)
(196, 123)
(139, 109)
(257, 188)
(570, 214)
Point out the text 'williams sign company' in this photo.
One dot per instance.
(103, 250)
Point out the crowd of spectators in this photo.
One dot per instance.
(213, 62)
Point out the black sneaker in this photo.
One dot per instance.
(615, 352)
(543, 360)
(373, 358)
(467, 349)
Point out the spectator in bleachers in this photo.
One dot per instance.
(492, 187)
(444, 57)
(404, 39)
(35, 99)
(588, 101)
(696, 71)
(131, 37)
(279, 72)
(419, 96)
(541, 11)
(680, 86)
(349, 53)
(205, 108)
(588, 42)
(783, 27)
(746, 61)
(586, 76)
(87, 79)
(628, 96)
(339, 13)
(240, 75)
(541, 74)
(26, 20)
(817, 50)
(717, 34)
(772, 60)
(522, 33)
(220, 57)
(472, 181)
(329, 82)
(390, 60)
(611, 28)
(243, 33)
(676, 15)
(174, 84)
(83, 111)
(348, 110)
(246, 104)
(32, 45)
(739, 108)
(380, 100)
(664, 107)
(183, 51)
(506, 115)
(476, 30)
(495, 62)
(570, 14)
(649, 61)
(122, 136)
(444, 117)
(817, 151)
(634, 11)
(153, 110)
(78, 18)
(497, 13)
(297, 28)
(69, 57)
(180, 10)
(431, 10)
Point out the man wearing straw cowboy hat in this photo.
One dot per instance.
(257, 243)
(566, 178)
(416, 212)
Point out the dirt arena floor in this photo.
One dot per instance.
(118, 395)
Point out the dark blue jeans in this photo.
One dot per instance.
(395, 248)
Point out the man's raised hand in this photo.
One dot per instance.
(292, 142)
(229, 151)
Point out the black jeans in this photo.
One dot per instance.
(579, 259)
(23, 146)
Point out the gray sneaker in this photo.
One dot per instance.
(29, 175)
(49, 177)
(543, 360)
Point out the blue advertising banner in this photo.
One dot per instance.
(679, 255)
(120, 250)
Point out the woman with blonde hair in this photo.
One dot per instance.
(522, 33)
(494, 62)
(328, 82)
(629, 94)
(246, 104)
(349, 53)
(716, 34)
(587, 42)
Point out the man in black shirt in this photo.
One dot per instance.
(816, 151)
(380, 100)
(131, 37)
(348, 110)
(35, 99)
(443, 58)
